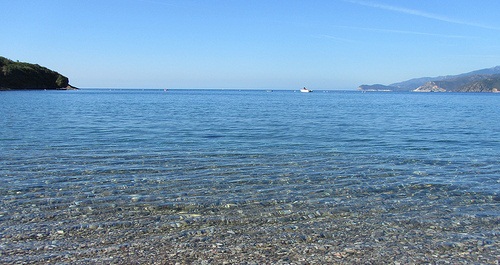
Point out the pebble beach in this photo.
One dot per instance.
(301, 232)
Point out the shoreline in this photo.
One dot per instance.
(253, 234)
(70, 87)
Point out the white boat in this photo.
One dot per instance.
(305, 90)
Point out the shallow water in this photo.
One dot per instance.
(99, 164)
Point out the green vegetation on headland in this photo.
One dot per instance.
(484, 80)
(19, 75)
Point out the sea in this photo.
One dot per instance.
(92, 160)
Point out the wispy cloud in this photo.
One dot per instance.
(326, 36)
(420, 14)
(391, 31)
(395, 31)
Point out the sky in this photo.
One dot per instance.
(259, 44)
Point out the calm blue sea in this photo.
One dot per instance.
(63, 153)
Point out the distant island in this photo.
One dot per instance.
(20, 75)
(484, 80)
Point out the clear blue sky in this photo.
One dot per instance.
(321, 44)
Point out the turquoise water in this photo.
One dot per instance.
(75, 158)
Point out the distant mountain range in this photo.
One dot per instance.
(20, 75)
(484, 80)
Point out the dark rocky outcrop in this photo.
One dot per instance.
(488, 84)
(20, 75)
(484, 80)
(473, 83)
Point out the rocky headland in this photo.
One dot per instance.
(484, 80)
(16, 75)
